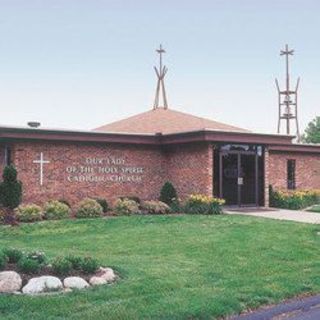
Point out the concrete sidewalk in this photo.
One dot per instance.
(279, 214)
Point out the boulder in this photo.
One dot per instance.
(107, 274)
(96, 281)
(10, 282)
(75, 283)
(42, 284)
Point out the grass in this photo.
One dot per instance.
(172, 267)
(315, 208)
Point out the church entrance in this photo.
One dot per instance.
(239, 174)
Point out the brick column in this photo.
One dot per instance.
(210, 169)
(266, 177)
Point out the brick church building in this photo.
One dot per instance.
(137, 155)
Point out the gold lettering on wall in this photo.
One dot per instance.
(105, 170)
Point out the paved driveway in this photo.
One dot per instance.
(296, 309)
(280, 214)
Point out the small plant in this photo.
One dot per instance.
(13, 255)
(76, 261)
(38, 256)
(89, 265)
(10, 188)
(126, 207)
(176, 206)
(155, 207)
(3, 260)
(103, 203)
(168, 193)
(89, 208)
(28, 265)
(201, 204)
(54, 210)
(61, 266)
(29, 213)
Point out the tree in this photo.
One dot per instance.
(312, 132)
(168, 193)
(10, 188)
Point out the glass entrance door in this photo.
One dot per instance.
(248, 176)
(239, 178)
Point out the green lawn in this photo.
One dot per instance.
(315, 208)
(172, 267)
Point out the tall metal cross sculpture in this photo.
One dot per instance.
(161, 72)
(288, 99)
(41, 161)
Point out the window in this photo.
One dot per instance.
(7, 156)
(291, 174)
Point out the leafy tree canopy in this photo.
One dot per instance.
(312, 132)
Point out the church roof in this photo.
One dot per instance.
(165, 121)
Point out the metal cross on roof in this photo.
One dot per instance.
(161, 72)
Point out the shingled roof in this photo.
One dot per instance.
(165, 121)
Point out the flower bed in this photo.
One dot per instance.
(33, 273)
(294, 200)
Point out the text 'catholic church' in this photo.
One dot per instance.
(137, 155)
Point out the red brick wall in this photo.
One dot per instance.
(307, 170)
(145, 159)
(190, 168)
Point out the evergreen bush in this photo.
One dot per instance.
(61, 266)
(168, 193)
(3, 260)
(13, 255)
(89, 265)
(28, 265)
(10, 188)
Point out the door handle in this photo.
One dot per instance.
(240, 181)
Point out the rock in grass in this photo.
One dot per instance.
(97, 281)
(75, 283)
(42, 284)
(10, 282)
(107, 274)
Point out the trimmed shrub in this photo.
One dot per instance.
(10, 188)
(103, 203)
(76, 261)
(201, 204)
(168, 193)
(55, 210)
(126, 207)
(3, 260)
(29, 213)
(61, 266)
(28, 265)
(133, 198)
(2, 216)
(293, 200)
(13, 255)
(155, 207)
(89, 208)
(89, 265)
(38, 256)
(66, 202)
